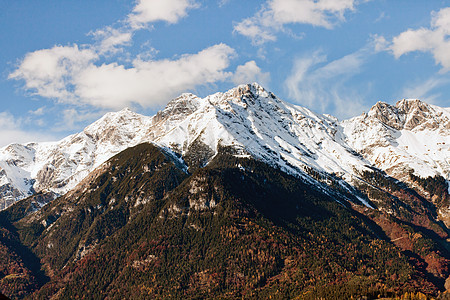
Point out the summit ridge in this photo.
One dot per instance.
(253, 122)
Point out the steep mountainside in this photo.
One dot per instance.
(140, 227)
(252, 120)
(59, 166)
(410, 141)
(255, 123)
(411, 135)
(238, 194)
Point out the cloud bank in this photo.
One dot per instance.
(78, 75)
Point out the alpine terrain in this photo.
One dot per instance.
(235, 195)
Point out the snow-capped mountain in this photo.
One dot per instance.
(59, 166)
(253, 122)
(410, 136)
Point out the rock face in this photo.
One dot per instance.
(411, 135)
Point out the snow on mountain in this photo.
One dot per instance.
(411, 135)
(253, 122)
(59, 166)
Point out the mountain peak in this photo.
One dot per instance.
(387, 114)
(114, 119)
(126, 109)
(178, 108)
(409, 102)
(252, 89)
(410, 114)
(421, 116)
(415, 107)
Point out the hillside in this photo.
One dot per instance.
(238, 194)
(140, 227)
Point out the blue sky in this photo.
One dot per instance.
(65, 63)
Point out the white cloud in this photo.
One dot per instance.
(70, 75)
(434, 39)
(318, 13)
(425, 90)
(38, 112)
(78, 75)
(379, 43)
(111, 39)
(148, 11)
(150, 83)
(250, 72)
(49, 72)
(11, 131)
(321, 86)
(252, 29)
(263, 26)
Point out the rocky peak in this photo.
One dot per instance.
(112, 125)
(178, 109)
(418, 114)
(247, 92)
(18, 154)
(387, 114)
(246, 96)
(410, 114)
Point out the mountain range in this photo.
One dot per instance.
(238, 194)
(411, 135)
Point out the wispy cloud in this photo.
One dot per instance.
(223, 2)
(38, 112)
(426, 90)
(74, 117)
(111, 40)
(381, 17)
(275, 14)
(12, 131)
(322, 85)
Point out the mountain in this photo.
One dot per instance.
(59, 166)
(252, 120)
(410, 140)
(141, 227)
(411, 135)
(238, 194)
